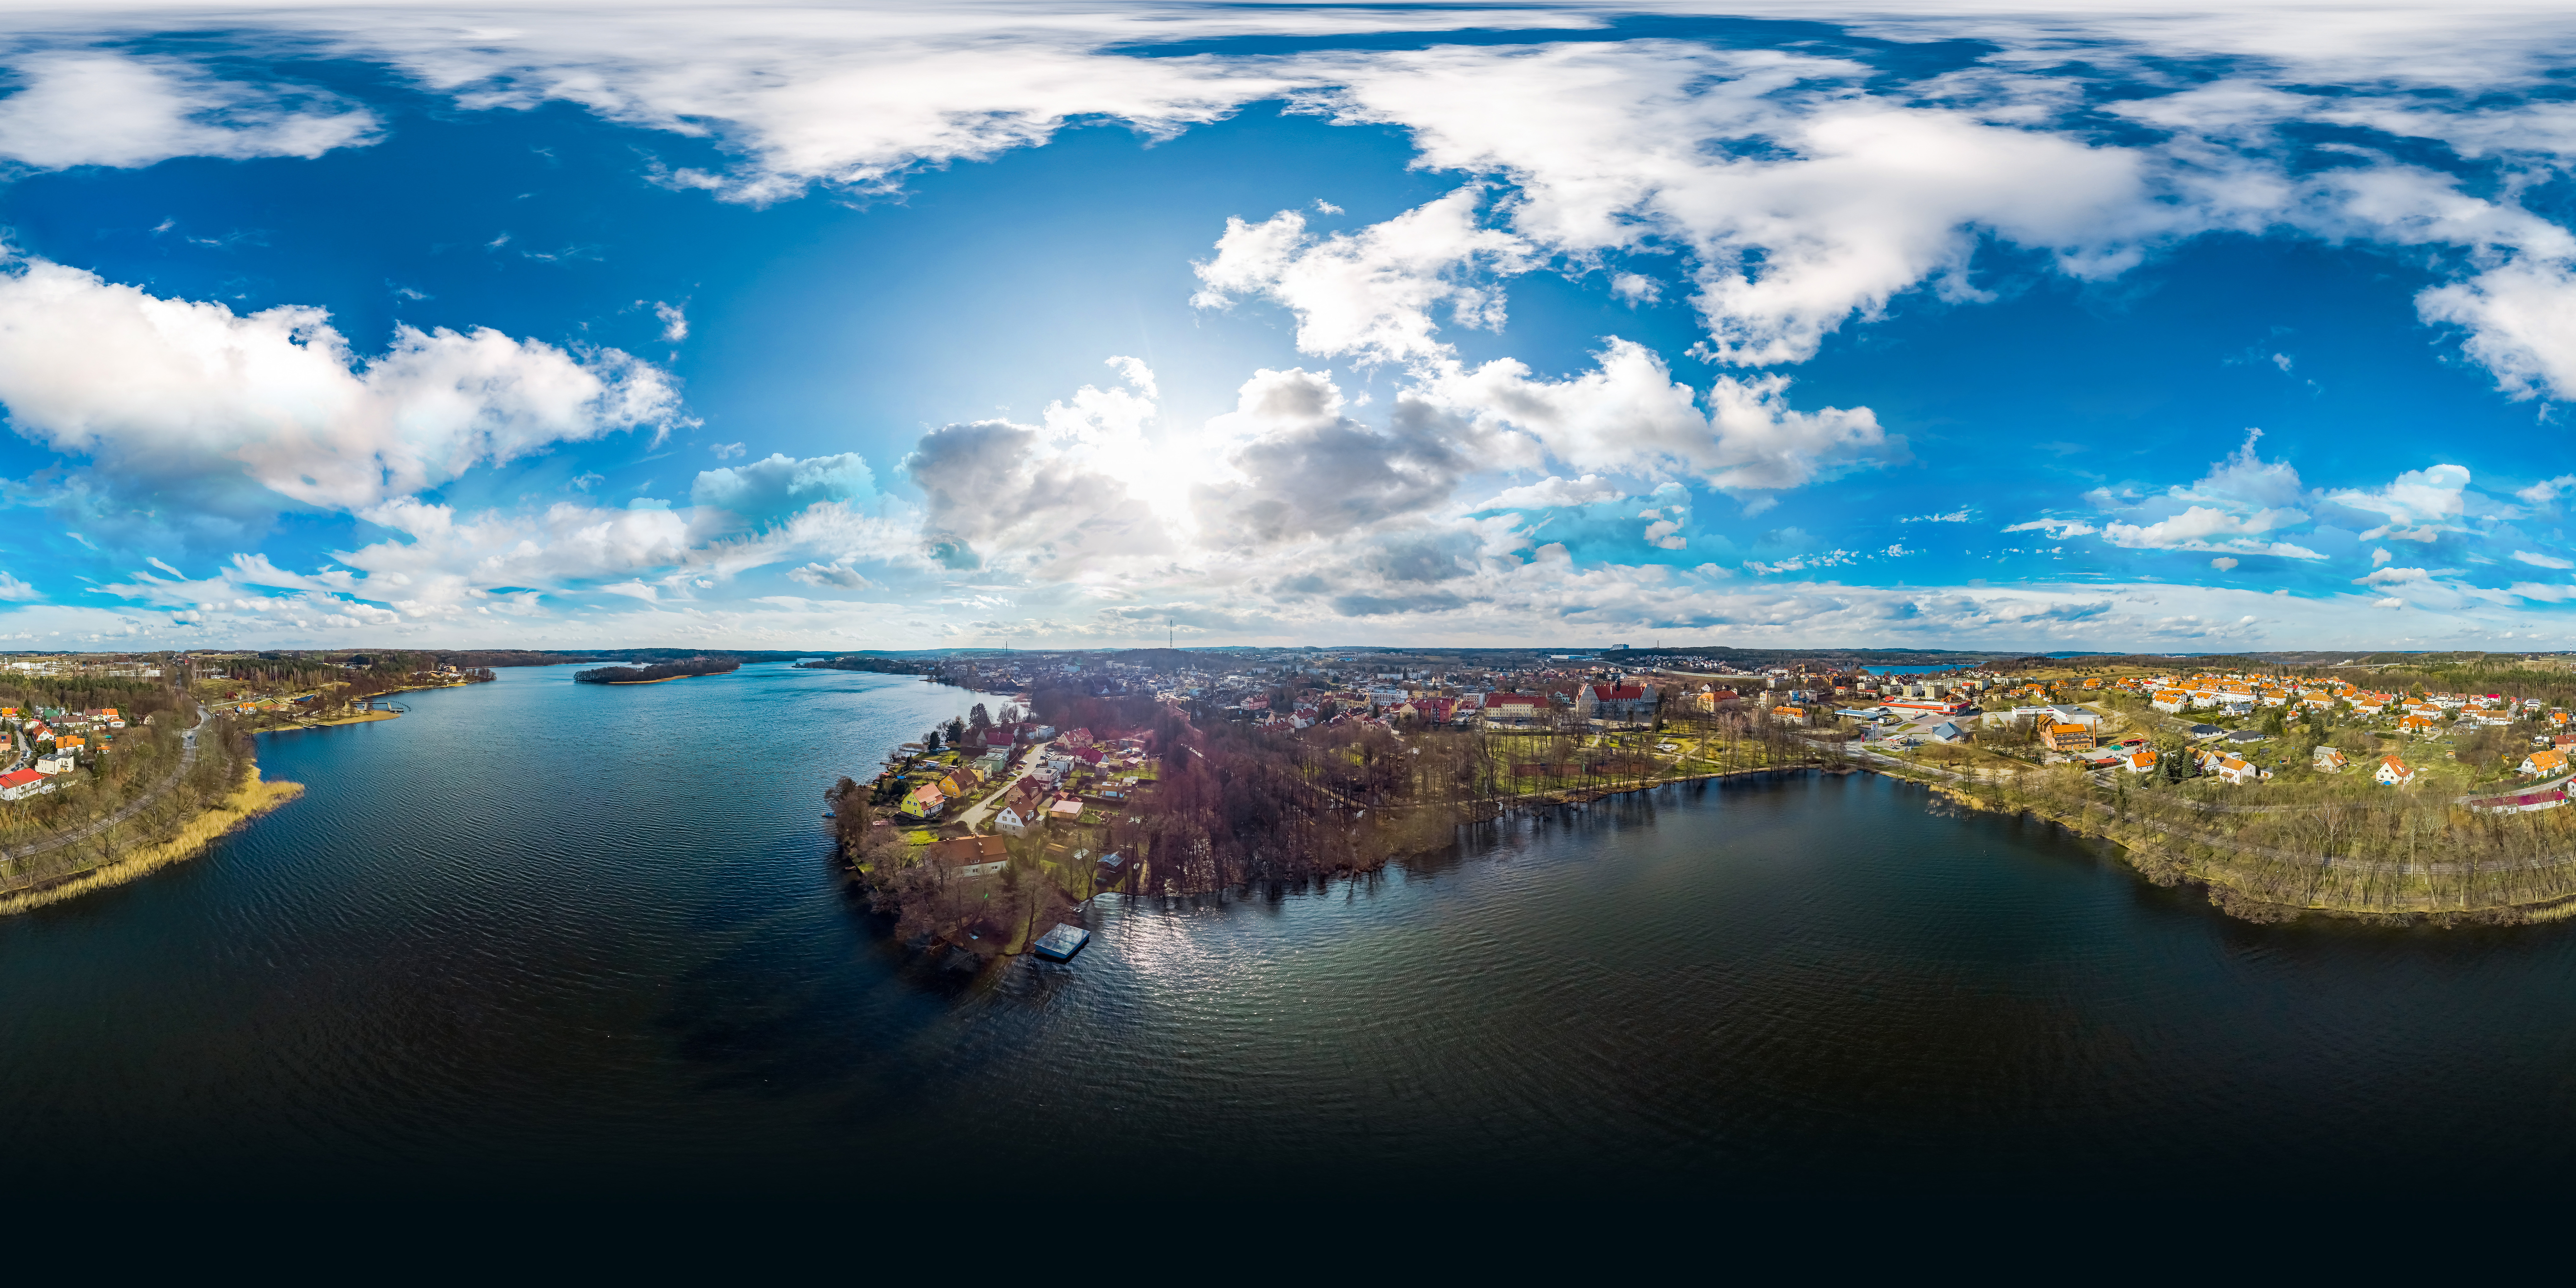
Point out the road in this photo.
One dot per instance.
(975, 815)
(187, 757)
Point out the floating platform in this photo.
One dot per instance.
(1061, 943)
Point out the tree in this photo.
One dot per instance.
(979, 718)
(932, 742)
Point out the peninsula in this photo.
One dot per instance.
(2418, 787)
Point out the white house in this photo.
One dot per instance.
(2393, 772)
(19, 784)
(1013, 823)
(2142, 761)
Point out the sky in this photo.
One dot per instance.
(2141, 326)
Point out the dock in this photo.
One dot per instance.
(1061, 943)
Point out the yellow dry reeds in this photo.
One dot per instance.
(248, 800)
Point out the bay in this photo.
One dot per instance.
(546, 938)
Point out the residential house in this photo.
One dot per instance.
(2543, 764)
(2228, 768)
(2142, 761)
(1066, 809)
(60, 764)
(1013, 823)
(2418, 723)
(2171, 700)
(2067, 737)
(2329, 760)
(19, 784)
(2393, 772)
(971, 856)
(924, 801)
(1788, 715)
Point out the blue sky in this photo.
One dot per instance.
(879, 326)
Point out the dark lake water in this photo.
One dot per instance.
(538, 937)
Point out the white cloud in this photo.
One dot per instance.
(1801, 200)
(11, 588)
(2223, 563)
(2394, 577)
(161, 389)
(1553, 492)
(2381, 557)
(1372, 293)
(675, 324)
(2423, 497)
(2547, 490)
(834, 574)
(1627, 413)
(98, 107)
(1960, 515)
(2057, 529)
(2206, 528)
(2521, 320)
(767, 490)
(2543, 561)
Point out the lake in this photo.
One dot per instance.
(538, 937)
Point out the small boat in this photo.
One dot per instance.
(1061, 943)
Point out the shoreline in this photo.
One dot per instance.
(250, 798)
(2169, 865)
(369, 718)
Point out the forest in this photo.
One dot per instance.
(1232, 806)
(657, 671)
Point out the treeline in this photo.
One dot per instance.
(132, 698)
(657, 671)
(1236, 804)
(876, 665)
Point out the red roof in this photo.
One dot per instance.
(20, 778)
(1514, 700)
(1618, 692)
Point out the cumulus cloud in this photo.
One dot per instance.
(993, 488)
(2205, 528)
(1628, 413)
(2521, 324)
(1553, 492)
(15, 590)
(170, 390)
(76, 107)
(2394, 577)
(2424, 498)
(1303, 469)
(1370, 294)
(767, 490)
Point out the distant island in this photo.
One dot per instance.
(657, 672)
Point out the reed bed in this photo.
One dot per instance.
(250, 798)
